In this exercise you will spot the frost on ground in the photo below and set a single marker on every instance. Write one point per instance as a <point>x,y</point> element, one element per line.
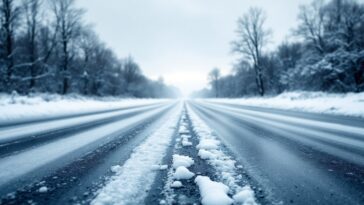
<point>350,104</point>
<point>15,107</point>
<point>132,181</point>
<point>210,149</point>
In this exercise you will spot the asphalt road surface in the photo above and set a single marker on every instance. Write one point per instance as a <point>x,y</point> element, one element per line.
<point>294,157</point>
<point>288,157</point>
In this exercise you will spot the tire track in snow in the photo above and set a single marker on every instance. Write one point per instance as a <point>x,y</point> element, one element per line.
<point>184,191</point>
<point>48,132</point>
<point>135,177</point>
<point>230,186</point>
<point>24,168</point>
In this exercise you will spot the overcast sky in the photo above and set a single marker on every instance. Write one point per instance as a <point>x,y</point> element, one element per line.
<point>182,40</point>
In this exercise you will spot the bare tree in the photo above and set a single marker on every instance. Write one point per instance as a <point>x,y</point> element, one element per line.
<point>131,71</point>
<point>31,11</point>
<point>252,37</point>
<point>312,25</point>
<point>9,14</point>
<point>69,20</point>
<point>214,77</point>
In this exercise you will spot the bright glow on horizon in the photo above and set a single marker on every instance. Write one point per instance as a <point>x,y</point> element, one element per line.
<point>182,40</point>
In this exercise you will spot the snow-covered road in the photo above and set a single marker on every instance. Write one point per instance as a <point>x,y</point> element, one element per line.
<point>182,152</point>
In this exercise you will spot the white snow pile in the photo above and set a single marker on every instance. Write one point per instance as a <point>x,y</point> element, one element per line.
<point>185,140</point>
<point>245,196</point>
<point>181,160</point>
<point>131,182</point>
<point>14,107</point>
<point>210,150</point>
<point>208,144</point>
<point>43,189</point>
<point>350,104</point>
<point>180,164</point>
<point>176,184</point>
<point>160,167</point>
<point>184,132</point>
<point>183,129</point>
<point>183,173</point>
<point>213,193</point>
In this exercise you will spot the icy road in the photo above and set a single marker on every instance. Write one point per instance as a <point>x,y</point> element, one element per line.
<point>183,152</point>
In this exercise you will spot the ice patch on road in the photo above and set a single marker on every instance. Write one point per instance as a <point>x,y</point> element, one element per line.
<point>131,183</point>
<point>213,193</point>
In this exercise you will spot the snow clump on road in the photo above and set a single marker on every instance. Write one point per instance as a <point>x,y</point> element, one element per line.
<point>183,173</point>
<point>210,149</point>
<point>213,193</point>
<point>181,160</point>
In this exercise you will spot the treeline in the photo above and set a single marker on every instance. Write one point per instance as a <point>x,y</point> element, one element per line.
<point>327,54</point>
<point>45,46</point>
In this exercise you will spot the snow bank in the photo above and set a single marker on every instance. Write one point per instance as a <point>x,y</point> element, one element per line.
<point>131,183</point>
<point>16,107</point>
<point>212,193</point>
<point>350,104</point>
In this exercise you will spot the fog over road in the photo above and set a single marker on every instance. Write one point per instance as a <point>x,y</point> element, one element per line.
<point>285,156</point>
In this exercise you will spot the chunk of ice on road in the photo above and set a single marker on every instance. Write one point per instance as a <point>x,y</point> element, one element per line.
<point>245,196</point>
<point>185,140</point>
<point>160,167</point>
<point>43,189</point>
<point>208,144</point>
<point>212,193</point>
<point>176,184</point>
<point>181,160</point>
<point>116,168</point>
<point>136,177</point>
<point>186,143</point>
<point>183,173</point>
<point>183,130</point>
<point>204,154</point>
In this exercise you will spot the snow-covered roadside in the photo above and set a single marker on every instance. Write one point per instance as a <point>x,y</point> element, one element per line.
<point>350,104</point>
<point>134,178</point>
<point>213,192</point>
<point>16,107</point>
